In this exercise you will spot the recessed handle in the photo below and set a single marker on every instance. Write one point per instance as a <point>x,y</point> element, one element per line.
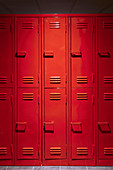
<point>76,127</point>
<point>104,54</point>
<point>20,126</point>
<point>76,54</point>
<point>49,126</point>
<point>104,127</point>
<point>48,54</point>
<point>20,54</point>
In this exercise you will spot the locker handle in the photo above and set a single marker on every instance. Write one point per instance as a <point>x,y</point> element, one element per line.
<point>76,127</point>
<point>104,127</point>
<point>104,54</point>
<point>49,127</point>
<point>20,54</point>
<point>48,54</point>
<point>76,54</point>
<point>20,126</point>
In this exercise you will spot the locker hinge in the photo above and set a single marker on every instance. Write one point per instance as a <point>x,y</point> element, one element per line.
<point>93,78</point>
<point>11,99</point>
<point>93,149</point>
<point>11,149</point>
<point>93,99</point>
<point>38,28</point>
<point>66,79</point>
<point>93,28</point>
<point>11,28</point>
<point>66,99</point>
<point>65,28</point>
<point>38,100</point>
<point>11,78</point>
<point>38,78</point>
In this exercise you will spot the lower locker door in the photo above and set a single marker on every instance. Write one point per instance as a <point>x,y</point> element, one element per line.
<point>55,124</point>
<point>82,123</point>
<point>5,123</point>
<point>27,125</point>
<point>105,123</point>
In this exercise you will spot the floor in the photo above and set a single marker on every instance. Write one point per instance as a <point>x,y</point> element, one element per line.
<point>56,168</point>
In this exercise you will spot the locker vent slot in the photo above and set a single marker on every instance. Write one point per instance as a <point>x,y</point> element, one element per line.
<point>27,96</point>
<point>55,80</point>
<point>3,80</point>
<point>108,96</point>
<point>28,151</point>
<point>108,151</point>
<point>82,96</point>
<point>55,150</point>
<point>82,151</point>
<point>2,25</point>
<point>54,25</point>
<point>82,79</point>
<point>27,25</point>
<point>3,96</point>
<point>3,151</point>
<point>82,25</point>
<point>108,79</point>
<point>108,25</point>
<point>55,96</point>
<point>28,80</point>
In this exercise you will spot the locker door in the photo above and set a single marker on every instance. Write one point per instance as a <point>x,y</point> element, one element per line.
<point>55,124</point>
<point>5,123</point>
<point>105,123</point>
<point>105,51</point>
<point>82,123</point>
<point>6,51</point>
<point>27,125</point>
<point>54,51</point>
<point>27,51</point>
<point>81,51</point>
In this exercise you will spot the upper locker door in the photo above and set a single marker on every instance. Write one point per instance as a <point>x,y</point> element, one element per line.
<point>27,51</point>
<point>6,52</point>
<point>81,51</point>
<point>105,51</point>
<point>55,124</point>
<point>54,51</point>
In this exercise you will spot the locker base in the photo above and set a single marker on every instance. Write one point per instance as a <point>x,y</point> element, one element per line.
<point>105,162</point>
<point>6,162</point>
<point>28,163</point>
<point>55,163</point>
<point>82,163</point>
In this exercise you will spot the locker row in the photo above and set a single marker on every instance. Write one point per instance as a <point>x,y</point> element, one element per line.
<point>56,90</point>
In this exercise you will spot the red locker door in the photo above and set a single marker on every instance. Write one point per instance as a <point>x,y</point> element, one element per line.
<point>27,125</point>
<point>54,51</point>
<point>82,124</point>
<point>55,124</point>
<point>81,51</point>
<point>6,52</point>
<point>5,123</point>
<point>27,51</point>
<point>105,51</point>
<point>105,123</point>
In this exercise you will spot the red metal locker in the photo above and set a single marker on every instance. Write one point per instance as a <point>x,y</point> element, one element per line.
<point>27,125</point>
<point>54,125</point>
<point>82,124</point>
<point>54,51</point>
<point>27,38</point>
<point>105,124</point>
<point>82,72</point>
<point>105,51</point>
<point>6,52</point>
<point>6,113</point>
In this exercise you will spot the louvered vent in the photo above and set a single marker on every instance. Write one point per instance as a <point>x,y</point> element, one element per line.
<point>82,96</point>
<point>27,25</point>
<point>82,151</point>
<point>3,80</point>
<point>3,151</point>
<point>28,151</point>
<point>3,25</point>
<point>82,25</point>
<point>108,25</point>
<point>108,79</point>
<point>82,79</point>
<point>28,80</point>
<point>54,25</point>
<point>55,150</point>
<point>3,96</point>
<point>108,151</point>
<point>27,96</point>
<point>55,80</point>
<point>108,96</point>
<point>55,96</point>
